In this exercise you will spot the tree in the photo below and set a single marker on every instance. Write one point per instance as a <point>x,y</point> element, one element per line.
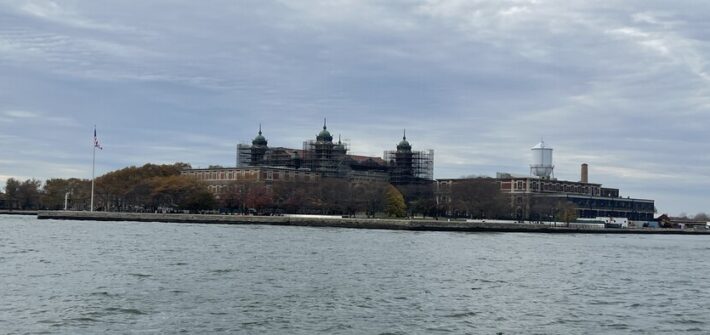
<point>23,195</point>
<point>182,192</point>
<point>12,189</point>
<point>369,197</point>
<point>478,198</point>
<point>701,217</point>
<point>542,208</point>
<point>243,196</point>
<point>259,197</point>
<point>394,203</point>
<point>293,196</point>
<point>419,198</point>
<point>567,212</point>
<point>55,189</point>
<point>131,188</point>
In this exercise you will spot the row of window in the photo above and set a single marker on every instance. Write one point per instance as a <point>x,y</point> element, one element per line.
<point>224,175</point>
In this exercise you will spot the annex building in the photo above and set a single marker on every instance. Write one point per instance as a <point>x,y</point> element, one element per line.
<point>531,195</point>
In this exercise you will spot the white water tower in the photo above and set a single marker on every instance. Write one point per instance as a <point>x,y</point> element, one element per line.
<point>542,161</point>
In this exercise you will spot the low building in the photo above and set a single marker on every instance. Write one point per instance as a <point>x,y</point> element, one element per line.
<point>536,196</point>
<point>218,179</point>
<point>591,200</point>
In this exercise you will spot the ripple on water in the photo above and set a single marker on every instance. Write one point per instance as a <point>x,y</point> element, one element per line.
<point>140,275</point>
<point>104,294</point>
<point>220,271</point>
<point>461,315</point>
<point>118,310</point>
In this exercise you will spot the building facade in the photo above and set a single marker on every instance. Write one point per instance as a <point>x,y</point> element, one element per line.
<point>318,159</point>
<point>529,196</point>
<point>218,179</point>
<point>331,159</point>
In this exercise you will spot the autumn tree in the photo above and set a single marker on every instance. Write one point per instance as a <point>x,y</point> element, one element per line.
<point>394,203</point>
<point>131,188</point>
<point>243,196</point>
<point>567,212</point>
<point>297,197</point>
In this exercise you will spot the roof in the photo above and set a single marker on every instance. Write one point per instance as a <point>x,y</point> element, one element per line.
<point>541,145</point>
<point>364,159</point>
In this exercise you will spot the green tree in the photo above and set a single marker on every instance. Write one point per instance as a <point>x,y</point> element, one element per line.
<point>12,189</point>
<point>55,189</point>
<point>394,203</point>
<point>23,195</point>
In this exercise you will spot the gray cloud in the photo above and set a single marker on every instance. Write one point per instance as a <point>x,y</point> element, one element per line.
<point>621,86</point>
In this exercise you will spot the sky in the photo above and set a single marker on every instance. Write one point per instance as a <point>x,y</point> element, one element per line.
<point>621,85</point>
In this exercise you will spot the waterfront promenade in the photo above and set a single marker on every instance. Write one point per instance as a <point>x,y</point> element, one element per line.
<point>358,223</point>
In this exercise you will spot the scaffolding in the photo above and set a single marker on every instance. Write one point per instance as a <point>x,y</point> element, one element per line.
<point>331,159</point>
<point>327,158</point>
<point>410,166</point>
<point>249,155</point>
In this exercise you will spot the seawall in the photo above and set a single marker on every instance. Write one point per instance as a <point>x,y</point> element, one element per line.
<point>17,212</point>
<point>358,223</point>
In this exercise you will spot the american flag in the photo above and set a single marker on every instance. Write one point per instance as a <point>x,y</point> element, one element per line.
<point>96,141</point>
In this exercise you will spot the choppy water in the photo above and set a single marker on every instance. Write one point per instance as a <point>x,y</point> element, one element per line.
<point>71,277</point>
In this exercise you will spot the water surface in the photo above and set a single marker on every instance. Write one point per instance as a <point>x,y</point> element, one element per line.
<point>84,277</point>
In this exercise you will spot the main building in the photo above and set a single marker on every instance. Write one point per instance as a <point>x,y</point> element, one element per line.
<point>317,159</point>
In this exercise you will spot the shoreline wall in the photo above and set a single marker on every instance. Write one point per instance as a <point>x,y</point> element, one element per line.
<point>356,223</point>
<point>17,212</point>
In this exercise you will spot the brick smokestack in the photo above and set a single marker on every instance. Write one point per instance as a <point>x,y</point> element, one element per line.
<point>585,173</point>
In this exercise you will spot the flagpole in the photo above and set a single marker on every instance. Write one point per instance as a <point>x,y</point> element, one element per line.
<point>93,168</point>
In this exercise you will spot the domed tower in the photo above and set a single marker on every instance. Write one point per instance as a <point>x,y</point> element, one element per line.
<point>324,142</point>
<point>322,151</point>
<point>403,158</point>
<point>324,135</point>
<point>258,148</point>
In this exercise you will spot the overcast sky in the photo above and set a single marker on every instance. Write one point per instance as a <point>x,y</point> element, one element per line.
<point>623,86</point>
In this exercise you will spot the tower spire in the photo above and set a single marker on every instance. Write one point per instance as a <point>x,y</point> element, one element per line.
<point>404,134</point>
<point>259,128</point>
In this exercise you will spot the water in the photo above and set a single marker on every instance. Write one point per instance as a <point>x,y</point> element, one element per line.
<point>71,277</point>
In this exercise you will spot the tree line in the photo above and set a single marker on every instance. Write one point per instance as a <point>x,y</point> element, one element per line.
<point>153,187</point>
<point>150,187</point>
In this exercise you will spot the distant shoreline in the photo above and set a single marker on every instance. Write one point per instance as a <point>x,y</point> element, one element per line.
<point>355,223</point>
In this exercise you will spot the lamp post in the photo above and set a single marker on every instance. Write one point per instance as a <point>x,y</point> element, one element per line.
<point>66,200</point>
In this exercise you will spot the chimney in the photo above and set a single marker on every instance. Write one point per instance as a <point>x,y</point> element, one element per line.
<point>585,173</point>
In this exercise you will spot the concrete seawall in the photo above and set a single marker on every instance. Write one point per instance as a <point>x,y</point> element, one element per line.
<point>17,212</point>
<point>358,223</point>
